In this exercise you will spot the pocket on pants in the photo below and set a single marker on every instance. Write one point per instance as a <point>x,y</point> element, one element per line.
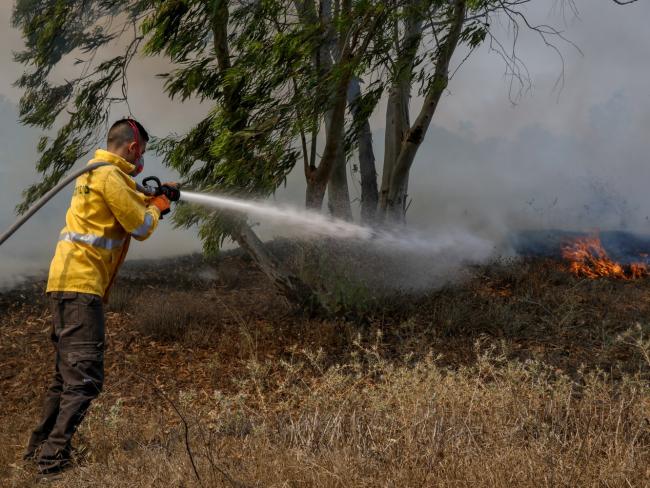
<point>83,320</point>
<point>83,365</point>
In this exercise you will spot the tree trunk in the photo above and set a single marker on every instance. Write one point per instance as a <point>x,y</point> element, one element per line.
<point>397,123</point>
<point>337,189</point>
<point>397,110</point>
<point>318,178</point>
<point>334,180</point>
<point>315,194</point>
<point>369,191</point>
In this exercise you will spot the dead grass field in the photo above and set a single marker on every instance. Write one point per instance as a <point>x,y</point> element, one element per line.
<point>522,376</point>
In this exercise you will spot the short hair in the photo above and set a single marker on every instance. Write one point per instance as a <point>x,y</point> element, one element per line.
<point>121,132</point>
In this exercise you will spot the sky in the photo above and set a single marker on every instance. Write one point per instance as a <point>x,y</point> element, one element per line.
<point>569,156</point>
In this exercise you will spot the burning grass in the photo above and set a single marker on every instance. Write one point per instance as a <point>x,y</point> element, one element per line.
<point>587,257</point>
<point>523,376</point>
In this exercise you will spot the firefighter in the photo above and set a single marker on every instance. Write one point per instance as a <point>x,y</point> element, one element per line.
<point>106,210</point>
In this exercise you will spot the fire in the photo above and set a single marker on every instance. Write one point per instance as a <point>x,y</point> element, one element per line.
<point>588,258</point>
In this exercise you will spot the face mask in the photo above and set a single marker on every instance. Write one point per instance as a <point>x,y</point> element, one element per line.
<point>139,166</point>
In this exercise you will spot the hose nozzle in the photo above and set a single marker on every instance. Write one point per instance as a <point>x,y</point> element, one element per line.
<point>171,192</point>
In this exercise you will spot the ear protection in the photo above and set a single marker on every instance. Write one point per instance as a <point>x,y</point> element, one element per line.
<point>139,164</point>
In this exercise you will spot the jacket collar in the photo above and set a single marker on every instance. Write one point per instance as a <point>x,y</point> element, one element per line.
<point>102,155</point>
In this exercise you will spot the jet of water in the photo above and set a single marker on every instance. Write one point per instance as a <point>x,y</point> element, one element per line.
<point>311,222</point>
<point>463,244</point>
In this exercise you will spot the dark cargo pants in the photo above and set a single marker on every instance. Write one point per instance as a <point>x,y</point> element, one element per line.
<point>78,338</point>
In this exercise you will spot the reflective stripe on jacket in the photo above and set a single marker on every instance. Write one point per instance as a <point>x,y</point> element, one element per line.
<point>105,211</point>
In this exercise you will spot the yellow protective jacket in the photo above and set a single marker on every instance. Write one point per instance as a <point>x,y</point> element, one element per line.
<point>105,211</point>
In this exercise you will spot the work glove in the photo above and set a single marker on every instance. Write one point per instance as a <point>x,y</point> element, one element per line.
<point>162,203</point>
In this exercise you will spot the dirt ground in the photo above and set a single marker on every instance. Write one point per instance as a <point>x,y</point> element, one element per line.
<point>522,375</point>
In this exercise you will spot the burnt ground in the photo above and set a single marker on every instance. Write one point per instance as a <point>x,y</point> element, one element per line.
<point>192,324</point>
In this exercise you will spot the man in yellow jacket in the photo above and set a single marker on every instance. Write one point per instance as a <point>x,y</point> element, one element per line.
<point>105,212</point>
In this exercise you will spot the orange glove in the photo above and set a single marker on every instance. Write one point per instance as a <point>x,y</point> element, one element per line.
<point>162,203</point>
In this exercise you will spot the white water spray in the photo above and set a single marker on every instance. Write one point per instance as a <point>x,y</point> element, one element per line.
<point>311,222</point>
<point>463,245</point>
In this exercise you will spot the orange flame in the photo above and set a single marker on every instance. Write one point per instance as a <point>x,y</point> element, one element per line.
<point>588,258</point>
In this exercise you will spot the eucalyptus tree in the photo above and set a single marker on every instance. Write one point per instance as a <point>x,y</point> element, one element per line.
<point>284,80</point>
<point>407,63</point>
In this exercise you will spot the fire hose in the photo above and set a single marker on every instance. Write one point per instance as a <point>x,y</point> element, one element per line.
<point>169,191</point>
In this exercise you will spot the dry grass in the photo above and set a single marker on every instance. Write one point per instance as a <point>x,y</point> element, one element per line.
<point>371,423</point>
<point>522,377</point>
<point>170,319</point>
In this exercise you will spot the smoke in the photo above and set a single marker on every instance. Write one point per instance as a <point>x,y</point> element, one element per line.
<point>539,179</point>
<point>574,158</point>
